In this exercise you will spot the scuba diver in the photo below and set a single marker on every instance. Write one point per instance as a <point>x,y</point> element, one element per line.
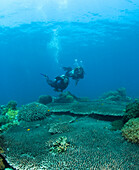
<point>59,84</point>
<point>77,73</point>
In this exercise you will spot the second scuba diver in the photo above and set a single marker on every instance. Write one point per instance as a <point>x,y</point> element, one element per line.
<point>77,73</point>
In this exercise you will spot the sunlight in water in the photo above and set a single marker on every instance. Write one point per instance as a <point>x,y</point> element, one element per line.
<point>63,3</point>
<point>59,3</point>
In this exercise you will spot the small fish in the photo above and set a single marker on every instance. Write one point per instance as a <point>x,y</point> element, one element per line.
<point>28,129</point>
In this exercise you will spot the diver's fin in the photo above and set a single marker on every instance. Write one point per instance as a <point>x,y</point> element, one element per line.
<point>76,82</point>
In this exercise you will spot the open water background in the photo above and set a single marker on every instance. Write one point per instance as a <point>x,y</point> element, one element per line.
<point>43,36</point>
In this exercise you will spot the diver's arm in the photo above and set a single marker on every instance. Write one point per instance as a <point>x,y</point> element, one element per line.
<point>67,69</point>
<point>44,75</point>
<point>47,78</point>
<point>50,82</point>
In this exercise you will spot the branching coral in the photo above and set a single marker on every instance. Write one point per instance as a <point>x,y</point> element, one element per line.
<point>12,114</point>
<point>60,145</point>
<point>11,105</point>
<point>9,118</point>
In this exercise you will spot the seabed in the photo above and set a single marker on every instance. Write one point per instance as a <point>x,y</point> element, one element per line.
<point>73,136</point>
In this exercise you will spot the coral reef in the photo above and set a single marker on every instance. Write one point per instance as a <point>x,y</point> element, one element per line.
<point>3,120</point>
<point>83,99</point>
<point>89,108</point>
<point>8,117</point>
<point>3,109</point>
<point>9,125</point>
<point>132,111</point>
<point>65,97</point>
<point>60,128</point>
<point>118,95</point>
<point>92,146</point>
<point>131,130</point>
<point>33,111</point>
<point>2,166</point>
<point>1,150</point>
<point>61,124</point>
<point>10,106</point>
<point>117,125</point>
<point>45,99</point>
<point>60,145</point>
<point>11,114</point>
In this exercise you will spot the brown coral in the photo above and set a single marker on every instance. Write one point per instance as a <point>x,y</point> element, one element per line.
<point>2,166</point>
<point>131,130</point>
<point>1,150</point>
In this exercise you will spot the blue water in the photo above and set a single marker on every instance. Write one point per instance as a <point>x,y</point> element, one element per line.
<point>43,36</point>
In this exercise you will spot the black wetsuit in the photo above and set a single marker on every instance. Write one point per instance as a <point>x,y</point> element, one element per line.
<point>60,83</point>
<point>76,73</point>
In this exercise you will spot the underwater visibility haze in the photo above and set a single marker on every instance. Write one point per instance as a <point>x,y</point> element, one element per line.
<point>90,124</point>
<point>44,36</point>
